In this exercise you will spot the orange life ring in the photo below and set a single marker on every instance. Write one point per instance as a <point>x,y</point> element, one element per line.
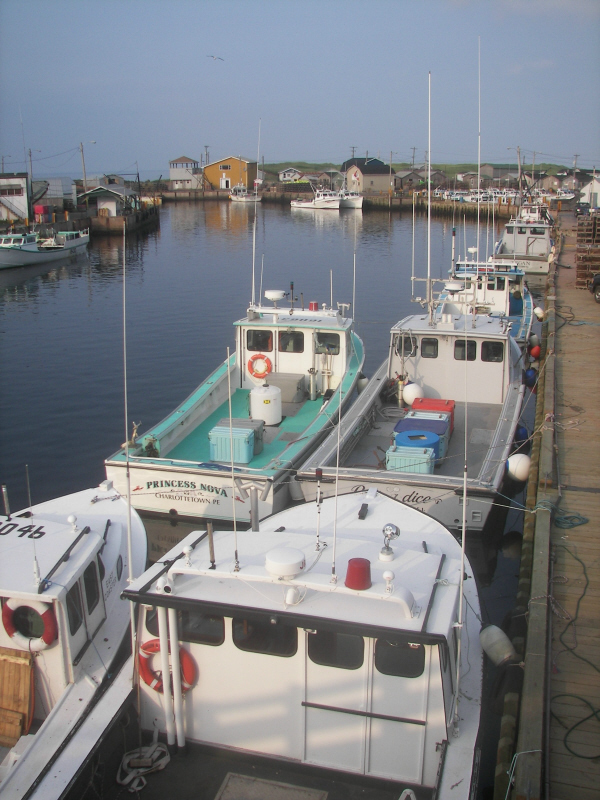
<point>151,679</point>
<point>24,642</point>
<point>267,362</point>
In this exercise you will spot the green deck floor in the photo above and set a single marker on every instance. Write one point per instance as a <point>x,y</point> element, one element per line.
<point>196,446</point>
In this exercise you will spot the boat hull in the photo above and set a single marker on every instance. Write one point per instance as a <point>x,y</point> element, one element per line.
<point>25,258</point>
<point>351,202</point>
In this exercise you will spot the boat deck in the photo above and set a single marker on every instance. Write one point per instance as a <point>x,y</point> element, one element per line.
<point>482,419</point>
<point>296,418</point>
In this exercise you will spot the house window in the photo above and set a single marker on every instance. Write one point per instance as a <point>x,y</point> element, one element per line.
<point>264,636</point>
<point>429,348</point>
<point>259,340</point>
<point>459,350</point>
<point>342,650</point>
<point>225,166</point>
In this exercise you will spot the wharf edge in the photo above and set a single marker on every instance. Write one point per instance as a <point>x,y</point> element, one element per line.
<point>545,741</point>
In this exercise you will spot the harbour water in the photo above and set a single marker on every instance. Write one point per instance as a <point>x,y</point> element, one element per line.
<point>61,350</point>
<point>61,334</point>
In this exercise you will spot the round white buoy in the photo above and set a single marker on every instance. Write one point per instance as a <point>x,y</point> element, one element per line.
<point>410,393</point>
<point>534,340</point>
<point>361,383</point>
<point>496,645</point>
<point>539,312</point>
<point>518,466</point>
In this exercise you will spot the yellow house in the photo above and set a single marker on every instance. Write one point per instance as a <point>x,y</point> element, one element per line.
<point>229,172</point>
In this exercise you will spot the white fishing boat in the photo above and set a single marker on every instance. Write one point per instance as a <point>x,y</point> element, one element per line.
<point>230,449</point>
<point>65,563</point>
<point>527,239</point>
<point>489,288</point>
<point>322,198</point>
<point>239,194</point>
<point>405,433</point>
<point>26,249</point>
<point>331,638</point>
<point>350,199</point>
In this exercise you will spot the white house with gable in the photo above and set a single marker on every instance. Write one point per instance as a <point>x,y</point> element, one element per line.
<point>185,173</point>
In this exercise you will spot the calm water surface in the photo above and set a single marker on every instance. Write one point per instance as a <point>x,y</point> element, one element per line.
<point>61,350</point>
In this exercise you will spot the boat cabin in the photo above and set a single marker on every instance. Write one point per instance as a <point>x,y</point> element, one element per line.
<point>433,355</point>
<point>18,240</point>
<point>529,234</point>
<point>356,674</point>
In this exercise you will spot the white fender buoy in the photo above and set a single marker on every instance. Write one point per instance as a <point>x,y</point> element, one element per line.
<point>534,340</point>
<point>518,466</point>
<point>361,383</point>
<point>496,645</point>
<point>539,312</point>
<point>410,393</point>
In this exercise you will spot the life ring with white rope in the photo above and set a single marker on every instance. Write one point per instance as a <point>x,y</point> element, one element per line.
<point>33,645</point>
<point>257,373</point>
<point>152,679</point>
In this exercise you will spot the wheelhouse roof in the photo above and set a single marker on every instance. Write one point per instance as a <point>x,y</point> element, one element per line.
<point>479,326</point>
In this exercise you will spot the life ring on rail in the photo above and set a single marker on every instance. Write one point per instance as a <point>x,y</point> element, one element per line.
<point>25,642</point>
<point>262,373</point>
<point>151,678</point>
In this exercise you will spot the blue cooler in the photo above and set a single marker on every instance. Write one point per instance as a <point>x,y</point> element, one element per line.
<point>410,459</point>
<point>419,438</point>
<point>221,438</point>
<point>439,422</point>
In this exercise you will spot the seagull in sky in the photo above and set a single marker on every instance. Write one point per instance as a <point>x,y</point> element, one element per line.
<point>216,58</point>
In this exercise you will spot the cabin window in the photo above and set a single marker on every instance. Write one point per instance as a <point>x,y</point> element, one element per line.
<point>521,230</point>
<point>291,342</point>
<point>429,348</point>
<point>537,231</point>
<point>492,351</point>
<point>510,229</point>
<point>400,659</point>
<point>459,350</point>
<point>92,588</point>
<point>273,639</point>
<point>259,340</point>
<point>192,626</point>
<point>119,567</point>
<point>328,343</point>
<point>342,650</point>
<point>74,610</point>
<point>410,345</point>
<point>500,284</point>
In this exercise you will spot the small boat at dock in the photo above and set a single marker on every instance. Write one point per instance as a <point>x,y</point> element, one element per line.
<point>231,448</point>
<point>27,249</point>
<point>329,639</point>
<point>65,563</point>
<point>322,198</point>
<point>449,381</point>
<point>490,288</point>
<point>528,240</point>
<point>239,194</point>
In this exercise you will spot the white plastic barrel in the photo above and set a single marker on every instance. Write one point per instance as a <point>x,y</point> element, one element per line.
<point>265,404</point>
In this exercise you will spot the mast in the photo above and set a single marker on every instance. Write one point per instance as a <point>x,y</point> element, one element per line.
<point>429,292</point>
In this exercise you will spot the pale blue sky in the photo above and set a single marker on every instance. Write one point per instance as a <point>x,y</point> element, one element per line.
<point>322,75</point>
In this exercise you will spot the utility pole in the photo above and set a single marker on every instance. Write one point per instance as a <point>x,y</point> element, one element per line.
<point>353,148</point>
<point>413,156</point>
<point>575,157</point>
<point>82,167</point>
<point>206,154</point>
<point>3,157</point>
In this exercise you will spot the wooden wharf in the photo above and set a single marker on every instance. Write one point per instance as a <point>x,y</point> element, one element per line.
<point>550,736</point>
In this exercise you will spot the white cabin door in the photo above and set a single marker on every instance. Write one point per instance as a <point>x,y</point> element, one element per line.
<point>398,710</point>
<point>335,705</point>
